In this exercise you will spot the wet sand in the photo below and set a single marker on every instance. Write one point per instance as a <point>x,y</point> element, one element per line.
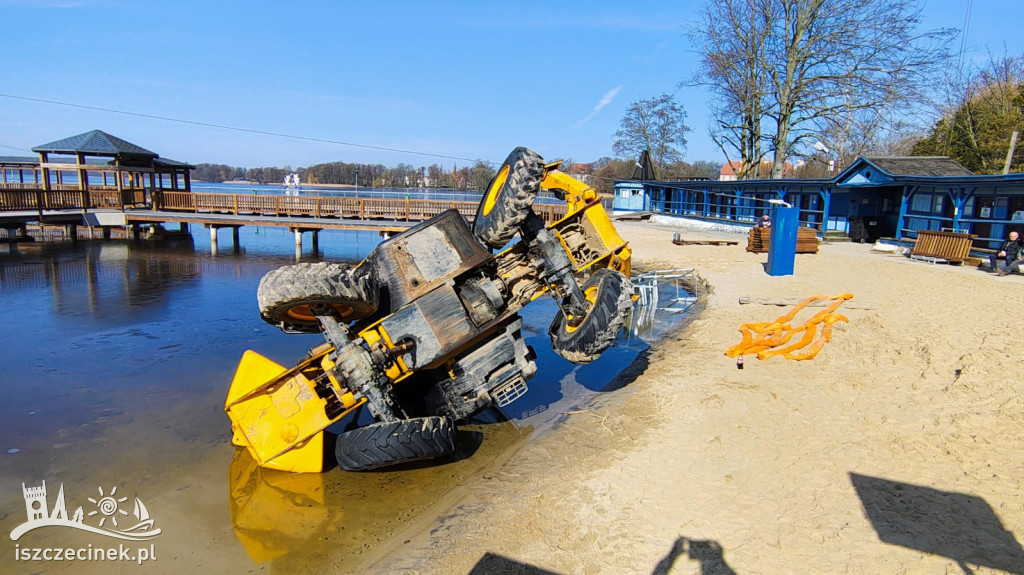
<point>898,449</point>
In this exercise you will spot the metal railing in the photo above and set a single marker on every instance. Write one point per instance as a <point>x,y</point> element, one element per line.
<point>737,213</point>
<point>646,286</point>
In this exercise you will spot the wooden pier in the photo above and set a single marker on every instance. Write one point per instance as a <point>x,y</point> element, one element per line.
<point>218,210</point>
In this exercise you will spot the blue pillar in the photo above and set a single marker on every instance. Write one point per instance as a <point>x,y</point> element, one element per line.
<point>782,245</point>
<point>959,198</point>
<point>958,204</point>
<point>826,195</point>
<point>908,191</point>
<point>706,206</point>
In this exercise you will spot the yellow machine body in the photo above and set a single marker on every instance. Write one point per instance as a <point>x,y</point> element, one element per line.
<point>277,415</point>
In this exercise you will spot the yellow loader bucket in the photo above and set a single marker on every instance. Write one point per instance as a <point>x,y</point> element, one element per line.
<point>277,415</point>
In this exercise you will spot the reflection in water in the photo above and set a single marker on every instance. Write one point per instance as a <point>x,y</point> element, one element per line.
<point>303,521</point>
<point>98,277</point>
<point>275,512</point>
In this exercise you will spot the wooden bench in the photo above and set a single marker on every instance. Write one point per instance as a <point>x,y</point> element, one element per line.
<point>948,246</point>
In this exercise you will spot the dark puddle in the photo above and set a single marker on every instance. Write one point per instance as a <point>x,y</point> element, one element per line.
<point>114,369</point>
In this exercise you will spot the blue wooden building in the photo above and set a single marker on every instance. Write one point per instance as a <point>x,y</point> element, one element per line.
<point>882,197</point>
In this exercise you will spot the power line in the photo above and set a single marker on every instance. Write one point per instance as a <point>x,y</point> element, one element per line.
<point>246,130</point>
<point>237,129</point>
<point>963,38</point>
<point>15,148</point>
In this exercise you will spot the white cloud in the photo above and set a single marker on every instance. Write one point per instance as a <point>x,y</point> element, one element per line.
<point>605,100</point>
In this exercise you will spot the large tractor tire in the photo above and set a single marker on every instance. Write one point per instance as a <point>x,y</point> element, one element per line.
<point>382,444</point>
<point>286,294</point>
<point>509,197</point>
<point>608,292</point>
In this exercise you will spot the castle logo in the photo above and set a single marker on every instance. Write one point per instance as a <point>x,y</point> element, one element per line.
<point>108,511</point>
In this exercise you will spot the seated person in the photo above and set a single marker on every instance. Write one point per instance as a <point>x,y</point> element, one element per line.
<point>766,222</point>
<point>1013,267</point>
<point>1008,252</point>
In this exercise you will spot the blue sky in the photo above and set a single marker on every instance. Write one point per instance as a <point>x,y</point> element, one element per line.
<point>462,79</point>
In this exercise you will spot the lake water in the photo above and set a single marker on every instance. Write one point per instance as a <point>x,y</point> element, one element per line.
<point>115,361</point>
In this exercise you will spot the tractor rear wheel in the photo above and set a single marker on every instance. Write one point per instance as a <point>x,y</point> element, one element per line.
<point>287,296</point>
<point>382,444</point>
<point>608,293</point>
<point>508,198</point>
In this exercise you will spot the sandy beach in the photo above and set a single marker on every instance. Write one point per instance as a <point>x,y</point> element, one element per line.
<point>898,449</point>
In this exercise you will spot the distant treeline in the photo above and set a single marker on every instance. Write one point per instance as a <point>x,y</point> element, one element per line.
<point>601,174</point>
<point>475,177</point>
<point>606,170</point>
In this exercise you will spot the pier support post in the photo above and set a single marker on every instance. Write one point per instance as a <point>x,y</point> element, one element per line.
<point>316,241</point>
<point>298,239</point>
<point>234,236</point>
<point>71,231</point>
<point>213,235</point>
<point>183,227</point>
<point>135,231</point>
<point>106,232</point>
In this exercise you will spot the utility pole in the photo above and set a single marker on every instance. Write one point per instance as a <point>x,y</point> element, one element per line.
<point>1009,153</point>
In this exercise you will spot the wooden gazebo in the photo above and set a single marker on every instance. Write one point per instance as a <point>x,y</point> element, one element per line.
<point>90,170</point>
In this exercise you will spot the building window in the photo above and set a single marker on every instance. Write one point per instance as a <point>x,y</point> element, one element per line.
<point>921,203</point>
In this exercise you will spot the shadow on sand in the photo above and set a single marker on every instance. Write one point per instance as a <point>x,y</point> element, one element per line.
<point>708,554</point>
<point>961,527</point>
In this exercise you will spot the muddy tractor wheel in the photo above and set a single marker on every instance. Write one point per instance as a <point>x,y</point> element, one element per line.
<point>287,295</point>
<point>382,444</point>
<point>509,197</point>
<point>583,341</point>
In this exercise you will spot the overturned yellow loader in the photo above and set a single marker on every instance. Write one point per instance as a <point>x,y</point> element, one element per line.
<point>425,332</point>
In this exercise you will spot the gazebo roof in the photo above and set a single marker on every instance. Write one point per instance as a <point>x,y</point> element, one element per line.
<point>169,163</point>
<point>96,142</point>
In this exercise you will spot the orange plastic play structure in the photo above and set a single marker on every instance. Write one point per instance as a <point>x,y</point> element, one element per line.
<point>768,338</point>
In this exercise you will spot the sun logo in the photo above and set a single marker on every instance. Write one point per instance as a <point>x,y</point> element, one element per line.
<point>108,506</point>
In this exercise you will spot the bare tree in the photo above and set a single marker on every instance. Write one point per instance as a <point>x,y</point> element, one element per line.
<point>820,67</point>
<point>480,175</point>
<point>655,124</point>
<point>732,36</point>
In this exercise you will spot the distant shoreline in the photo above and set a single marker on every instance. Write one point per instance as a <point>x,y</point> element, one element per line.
<point>335,186</point>
<point>251,183</point>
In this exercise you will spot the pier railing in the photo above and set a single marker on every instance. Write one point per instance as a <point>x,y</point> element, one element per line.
<point>70,198</point>
<point>401,209</point>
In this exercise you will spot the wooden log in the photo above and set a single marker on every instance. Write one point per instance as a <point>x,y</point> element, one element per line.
<point>681,242</point>
<point>788,301</point>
